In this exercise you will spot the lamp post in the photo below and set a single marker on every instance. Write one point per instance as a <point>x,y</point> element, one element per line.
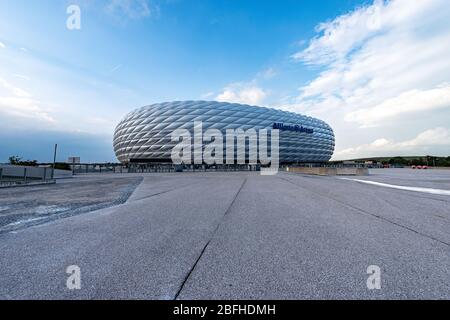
<point>54,161</point>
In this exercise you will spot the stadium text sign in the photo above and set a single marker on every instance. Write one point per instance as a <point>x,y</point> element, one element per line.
<point>296,128</point>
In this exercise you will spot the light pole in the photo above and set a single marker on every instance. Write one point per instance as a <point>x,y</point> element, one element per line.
<point>54,161</point>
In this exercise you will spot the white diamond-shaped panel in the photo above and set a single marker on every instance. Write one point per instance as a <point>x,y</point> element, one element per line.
<point>145,134</point>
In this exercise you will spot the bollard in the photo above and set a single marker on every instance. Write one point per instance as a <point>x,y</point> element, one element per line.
<point>45,174</point>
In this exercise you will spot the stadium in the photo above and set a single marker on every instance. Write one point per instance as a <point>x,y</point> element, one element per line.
<point>144,135</point>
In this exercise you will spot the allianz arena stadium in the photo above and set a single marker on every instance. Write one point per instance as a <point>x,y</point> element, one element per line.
<point>144,135</point>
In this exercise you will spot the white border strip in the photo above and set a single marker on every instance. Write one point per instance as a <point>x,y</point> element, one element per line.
<point>393,186</point>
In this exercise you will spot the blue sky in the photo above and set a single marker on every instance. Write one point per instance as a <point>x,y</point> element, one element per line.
<point>378,72</point>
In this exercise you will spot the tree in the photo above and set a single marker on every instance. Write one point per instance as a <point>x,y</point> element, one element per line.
<point>14,160</point>
<point>398,161</point>
<point>17,161</point>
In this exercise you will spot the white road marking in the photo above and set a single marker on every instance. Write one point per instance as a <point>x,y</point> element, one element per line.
<point>393,186</point>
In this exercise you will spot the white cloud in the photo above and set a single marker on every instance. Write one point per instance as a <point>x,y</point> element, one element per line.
<point>11,89</point>
<point>423,142</point>
<point>207,95</point>
<point>17,102</point>
<point>340,37</point>
<point>366,65</point>
<point>384,61</point>
<point>247,93</point>
<point>2,45</point>
<point>22,76</point>
<point>115,68</point>
<point>269,73</point>
<point>132,9</point>
<point>410,101</point>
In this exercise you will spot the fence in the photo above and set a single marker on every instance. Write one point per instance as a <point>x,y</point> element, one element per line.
<point>167,167</point>
<point>21,175</point>
<point>330,171</point>
<point>157,168</point>
<point>98,168</point>
<point>149,168</point>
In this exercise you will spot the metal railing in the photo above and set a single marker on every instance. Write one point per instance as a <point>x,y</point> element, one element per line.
<point>78,169</point>
<point>19,175</point>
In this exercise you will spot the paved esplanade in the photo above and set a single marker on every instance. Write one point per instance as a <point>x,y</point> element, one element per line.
<point>240,235</point>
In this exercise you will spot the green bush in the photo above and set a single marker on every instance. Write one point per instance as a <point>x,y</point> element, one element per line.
<point>17,161</point>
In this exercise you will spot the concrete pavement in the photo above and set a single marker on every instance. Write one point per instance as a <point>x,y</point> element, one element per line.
<point>240,236</point>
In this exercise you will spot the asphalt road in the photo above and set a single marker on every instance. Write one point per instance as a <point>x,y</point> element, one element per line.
<point>242,236</point>
<point>24,206</point>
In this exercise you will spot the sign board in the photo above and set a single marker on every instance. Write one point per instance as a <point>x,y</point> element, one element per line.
<point>74,160</point>
<point>297,128</point>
